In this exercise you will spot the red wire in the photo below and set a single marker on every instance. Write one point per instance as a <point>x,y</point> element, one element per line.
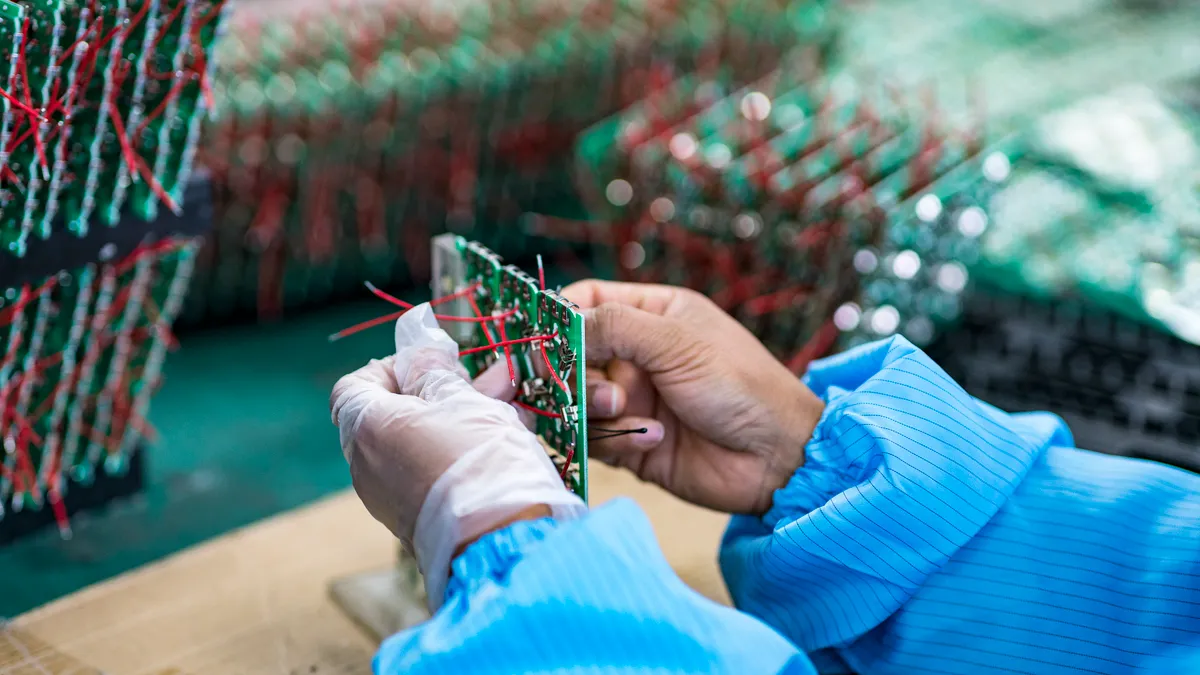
<point>23,59</point>
<point>10,355</point>
<point>140,424</point>
<point>16,143</point>
<point>546,357</point>
<point>358,328</point>
<point>136,162</point>
<point>14,177</point>
<point>162,30</point>
<point>205,85</point>
<point>23,422</point>
<point>267,221</point>
<point>54,105</point>
<point>156,319</point>
<point>70,50</point>
<point>26,297</point>
<point>213,12</point>
<point>21,106</point>
<point>505,343</point>
<point>60,510</point>
<point>115,113</point>
<point>512,372</point>
<point>478,318</point>
<point>137,18</point>
<point>487,332</point>
<point>471,319</point>
<point>107,38</point>
<point>23,462</point>
<point>44,407</point>
<point>432,303</point>
<point>567,464</point>
<point>535,410</point>
<point>816,346</point>
<point>175,89</point>
<point>541,273</point>
<point>775,301</point>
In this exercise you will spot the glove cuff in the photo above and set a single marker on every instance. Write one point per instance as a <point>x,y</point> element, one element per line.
<point>480,490</point>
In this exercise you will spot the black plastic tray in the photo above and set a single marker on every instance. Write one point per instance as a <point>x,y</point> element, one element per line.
<point>1123,387</point>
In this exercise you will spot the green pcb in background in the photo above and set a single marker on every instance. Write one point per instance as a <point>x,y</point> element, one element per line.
<point>245,433</point>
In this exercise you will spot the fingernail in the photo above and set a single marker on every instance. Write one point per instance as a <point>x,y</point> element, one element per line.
<point>652,437</point>
<point>604,399</point>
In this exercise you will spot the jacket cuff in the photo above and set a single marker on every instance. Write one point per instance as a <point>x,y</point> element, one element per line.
<point>903,470</point>
<point>896,424</point>
<point>492,556</point>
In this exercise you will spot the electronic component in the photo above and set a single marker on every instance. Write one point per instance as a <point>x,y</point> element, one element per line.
<point>510,316</point>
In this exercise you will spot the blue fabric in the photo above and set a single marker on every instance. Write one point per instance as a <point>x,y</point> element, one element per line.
<point>926,533</point>
<point>592,596</point>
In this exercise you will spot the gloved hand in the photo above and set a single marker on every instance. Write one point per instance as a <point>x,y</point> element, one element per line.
<point>726,422</point>
<point>435,460</point>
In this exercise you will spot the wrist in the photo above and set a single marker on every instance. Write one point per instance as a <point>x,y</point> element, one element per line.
<point>490,486</point>
<point>799,422</point>
<point>533,512</point>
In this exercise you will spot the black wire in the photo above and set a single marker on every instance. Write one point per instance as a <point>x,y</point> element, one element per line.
<point>613,433</point>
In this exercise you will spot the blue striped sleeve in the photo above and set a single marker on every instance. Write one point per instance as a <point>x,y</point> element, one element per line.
<point>928,532</point>
<point>593,596</point>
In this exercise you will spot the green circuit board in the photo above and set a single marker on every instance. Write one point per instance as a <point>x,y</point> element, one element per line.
<point>1106,207</point>
<point>346,138</point>
<point>81,357</point>
<point>102,110</point>
<point>820,213</point>
<point>548,366</point>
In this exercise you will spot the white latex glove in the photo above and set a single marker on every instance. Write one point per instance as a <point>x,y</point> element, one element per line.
<point>434,459</point>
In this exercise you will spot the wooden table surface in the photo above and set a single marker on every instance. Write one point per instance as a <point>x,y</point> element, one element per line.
<point>256,600</point>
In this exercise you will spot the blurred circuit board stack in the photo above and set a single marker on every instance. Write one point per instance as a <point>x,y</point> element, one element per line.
<point>348,137</point>
<point>1106,208</point>
<point>103,103</point>
<point>1089,303</point>
<point>820,213</point>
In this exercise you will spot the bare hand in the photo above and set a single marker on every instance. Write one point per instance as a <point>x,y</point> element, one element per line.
<point>726,422</point>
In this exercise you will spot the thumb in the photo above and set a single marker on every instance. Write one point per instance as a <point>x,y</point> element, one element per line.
<point>426,363</point>
<point>618,331</point>
<point>624,442</point>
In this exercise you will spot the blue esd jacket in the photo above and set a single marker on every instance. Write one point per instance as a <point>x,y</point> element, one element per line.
<point>926,533</point>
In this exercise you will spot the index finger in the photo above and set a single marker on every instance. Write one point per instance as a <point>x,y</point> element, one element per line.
<point>376,377</point>
<point>590,293</point>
